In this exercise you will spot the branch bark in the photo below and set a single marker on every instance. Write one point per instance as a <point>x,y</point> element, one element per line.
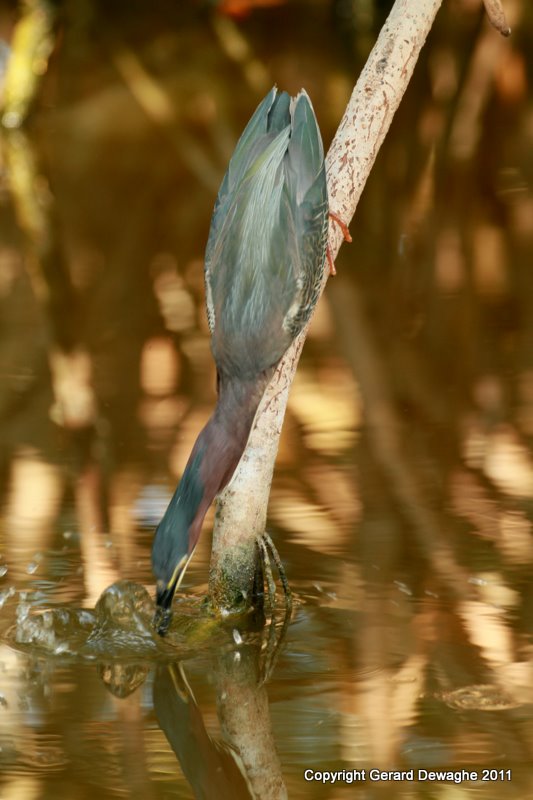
<point>496,15</point>
<point>241,507</point>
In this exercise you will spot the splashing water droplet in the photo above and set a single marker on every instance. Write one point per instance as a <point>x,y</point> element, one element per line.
<point>4,596</point>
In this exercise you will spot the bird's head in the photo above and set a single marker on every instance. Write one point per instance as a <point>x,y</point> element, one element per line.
<point>171,553</point>
<point>177,533</point>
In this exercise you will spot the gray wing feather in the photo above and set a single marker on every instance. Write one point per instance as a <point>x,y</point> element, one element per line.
<point>266,248</point>
<point>239,163</point>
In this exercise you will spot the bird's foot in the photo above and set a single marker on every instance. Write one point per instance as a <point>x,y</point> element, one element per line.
<point>274,638</point>
<point>342,225</point>
<point>269,554</point>
<point>347,238</point>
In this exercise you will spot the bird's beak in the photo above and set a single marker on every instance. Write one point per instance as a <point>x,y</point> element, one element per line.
<point>165,595</point>
<point>163,612</point>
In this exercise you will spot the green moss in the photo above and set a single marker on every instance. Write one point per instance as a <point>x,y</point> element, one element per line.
<point>231,581</point>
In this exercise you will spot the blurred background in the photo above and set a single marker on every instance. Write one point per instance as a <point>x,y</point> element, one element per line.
<point>402,500</point>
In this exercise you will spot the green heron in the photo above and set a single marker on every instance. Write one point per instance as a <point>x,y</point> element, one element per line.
<point>263,268</point>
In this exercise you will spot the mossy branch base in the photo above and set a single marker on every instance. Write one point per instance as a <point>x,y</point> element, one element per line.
<point>231,578</point>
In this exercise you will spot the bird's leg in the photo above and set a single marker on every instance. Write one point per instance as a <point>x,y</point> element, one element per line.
<point>347,238</point>
<point>342,225</point>
<point>332,270</point>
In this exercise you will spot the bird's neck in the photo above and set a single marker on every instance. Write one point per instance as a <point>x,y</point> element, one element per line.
<point>219,448</point>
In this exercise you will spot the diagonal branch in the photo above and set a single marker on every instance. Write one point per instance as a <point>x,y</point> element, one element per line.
<point>496,15</point>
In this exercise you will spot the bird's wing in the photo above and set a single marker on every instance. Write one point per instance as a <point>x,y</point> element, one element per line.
<point>243,156</point>
<point>266,248</point>
<point>251,273</point>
